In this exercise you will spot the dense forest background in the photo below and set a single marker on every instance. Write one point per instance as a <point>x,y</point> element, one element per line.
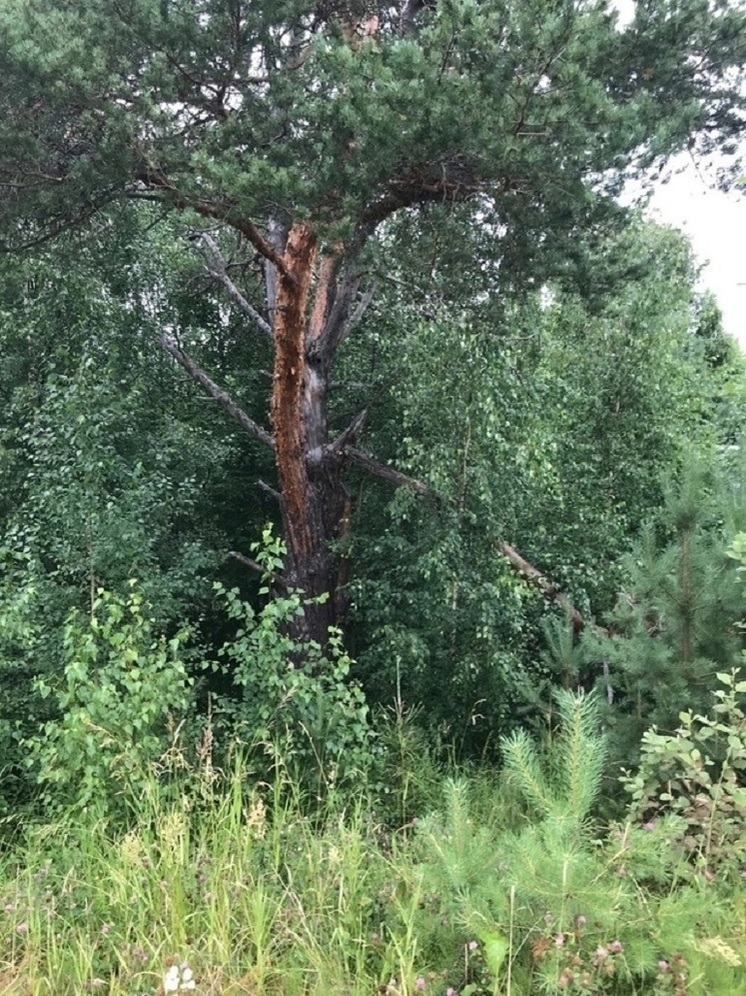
<point>370,475</point>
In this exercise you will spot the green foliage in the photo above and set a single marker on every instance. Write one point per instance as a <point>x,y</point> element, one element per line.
<point>676,621</point>
<point>297,694</point>
<point>123,692</point>
<point>232,880</point>
<point>406,774</point>
<point>565,413</point>
<point>567,790</point>
<point>230,877</point>
<point>553,908</point>
<point>699,774</point>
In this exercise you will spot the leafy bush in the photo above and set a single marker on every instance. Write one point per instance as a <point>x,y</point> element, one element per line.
<point>295,694</point>
<point>699,773</point>
<point>123,689</point>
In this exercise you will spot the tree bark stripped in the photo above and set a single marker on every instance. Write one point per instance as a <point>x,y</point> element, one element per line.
<point>312,309</point>
<point>308,468</point>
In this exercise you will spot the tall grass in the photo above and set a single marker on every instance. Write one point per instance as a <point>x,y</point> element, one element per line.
<point>239,884</point>
<point>220,884</point>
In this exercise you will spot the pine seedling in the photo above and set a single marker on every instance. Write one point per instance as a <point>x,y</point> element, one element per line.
<point>565,789</point>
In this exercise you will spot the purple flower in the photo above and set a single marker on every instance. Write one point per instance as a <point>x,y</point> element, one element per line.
<point>559,940</point>
<point>419,983</point>
<point>472,945</point>
<point>616,947</point>
<point>662,966</point>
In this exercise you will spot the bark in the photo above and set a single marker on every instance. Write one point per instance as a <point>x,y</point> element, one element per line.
<point>313,496</point>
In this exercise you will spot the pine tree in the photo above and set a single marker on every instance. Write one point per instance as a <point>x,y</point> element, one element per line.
<point>292,132</point>
<point>676,623</point>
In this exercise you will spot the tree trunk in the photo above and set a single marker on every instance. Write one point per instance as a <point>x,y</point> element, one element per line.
<point>313,496</point>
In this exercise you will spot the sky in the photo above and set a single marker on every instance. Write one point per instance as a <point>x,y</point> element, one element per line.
<point>714,221</point>
<point>716,225</point>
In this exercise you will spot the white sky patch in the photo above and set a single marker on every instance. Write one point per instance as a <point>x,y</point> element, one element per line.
<point>715,222</point>
<point>626,11</point>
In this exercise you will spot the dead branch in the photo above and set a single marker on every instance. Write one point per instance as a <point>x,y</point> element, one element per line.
<point>217,268</point>
<point>215,392</point>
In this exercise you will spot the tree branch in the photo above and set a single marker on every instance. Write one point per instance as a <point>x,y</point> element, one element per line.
<point>336,322</point>
<point>386,473</point>
<point>549,590</point>
<point>276,579</point>
<point>221,211</point>
<point>268,489</point>
<point>215,392</point>
<point>348,434</point>
<point>217,268</point>
<point>359,312</point>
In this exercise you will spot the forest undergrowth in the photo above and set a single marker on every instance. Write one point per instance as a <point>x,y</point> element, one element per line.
<point>237,880</point>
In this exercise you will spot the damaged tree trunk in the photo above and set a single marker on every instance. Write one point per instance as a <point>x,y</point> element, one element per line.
<point>313,304</point>
<point>313,495</point>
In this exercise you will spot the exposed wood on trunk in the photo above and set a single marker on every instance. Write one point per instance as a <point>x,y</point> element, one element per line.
<point>287,392</point>
<point>323,296</point>
<point>340,315</point>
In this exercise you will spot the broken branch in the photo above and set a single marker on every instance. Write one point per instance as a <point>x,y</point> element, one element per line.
<point>215,392</point>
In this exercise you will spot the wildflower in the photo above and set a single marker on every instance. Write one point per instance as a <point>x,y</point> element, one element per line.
<point>419,983</point>
<point>662,966</point>
<point>472,945</point>
<point>450,991</point>
<point>601,953</point>
<point>559,940</point>
<point>566,978</point>
<point>616,947</point>
<point>97,983</point>
<point>580,920</point>
<point>10,907</point>
<point>650,825</point>
<point>179,979</point>
<point>22,928</point>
